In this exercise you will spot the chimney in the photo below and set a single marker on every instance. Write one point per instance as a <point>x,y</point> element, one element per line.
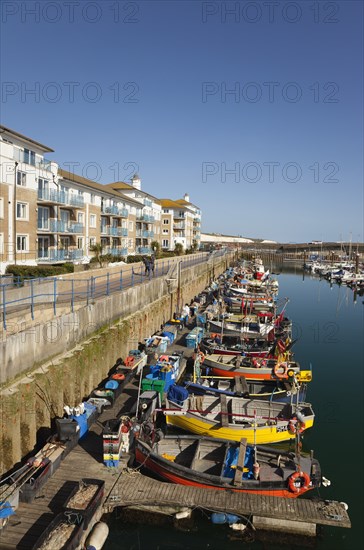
<point>186,197</point>
<point>136,182</point>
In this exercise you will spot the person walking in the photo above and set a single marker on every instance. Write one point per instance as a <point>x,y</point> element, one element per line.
<point>152,263</point>
<point>147,265</point>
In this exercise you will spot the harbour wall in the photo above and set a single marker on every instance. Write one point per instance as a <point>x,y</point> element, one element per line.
<point>60,362</point>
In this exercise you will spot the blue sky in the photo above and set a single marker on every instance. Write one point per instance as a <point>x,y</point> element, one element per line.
<point>144,85</point>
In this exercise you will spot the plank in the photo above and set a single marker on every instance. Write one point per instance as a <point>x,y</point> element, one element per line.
<point>224,412</point>
<point>238,478</point>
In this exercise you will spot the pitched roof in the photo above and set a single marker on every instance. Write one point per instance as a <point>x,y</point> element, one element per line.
<point>4,129</point>
<point>93,185</point>
<point>169,203</point>
<point>128,187</point>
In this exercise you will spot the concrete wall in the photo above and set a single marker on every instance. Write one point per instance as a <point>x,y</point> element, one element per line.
<point>68,357</point>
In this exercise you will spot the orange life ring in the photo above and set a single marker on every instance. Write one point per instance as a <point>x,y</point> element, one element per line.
<point>202,357</point>
<point>302,427</point>
<point>163,358</point>
<point>293,482</point>
<point>291,427</point>
<point>280,374</point>
<point>118,376</point>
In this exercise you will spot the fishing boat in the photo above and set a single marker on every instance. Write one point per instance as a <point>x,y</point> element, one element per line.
<point>254,368</point>
<point>232,418</point>
<point>275,390</point>
<point>229,466</point>
<point>258,325</point>
<point>233,345</point>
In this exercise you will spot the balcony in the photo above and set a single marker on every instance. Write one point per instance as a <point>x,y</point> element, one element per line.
<point>54,255</point>
<point>147,202</point>
<point>177,226</point>
<point>44,164</point>
<point>147,234</point>
<point>143,250</point>
<point>116,251</point>
<point>59,226</point>
<point>114,231</point>
<point>52,195</point>
<point>60,197</point>
<point>146,218</point>
<point>179,216</point>
<point>115,211</point>
<point>75,200</point>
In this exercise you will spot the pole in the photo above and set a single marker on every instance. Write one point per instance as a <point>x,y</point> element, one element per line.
<point>14,213</point>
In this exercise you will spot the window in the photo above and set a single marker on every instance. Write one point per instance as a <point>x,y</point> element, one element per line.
<point>165,211</point>
<point>130,243</point>
<point>92,241</point>
<point>21,210</point>
<point>165,243</point>
<point>22,243</point>
<point>92,220</point>
<point>21,178</point>
<point>43,218</point>
<point>1,243</point>
<point>80,217</point>
<point>92,198</point>
<point>29,157</point>
<point>1,207</point>
<point>165,222</point>
<point>130,226</point>
<point>43,247</point>
<point>165,231</point>
<point>80,243</point>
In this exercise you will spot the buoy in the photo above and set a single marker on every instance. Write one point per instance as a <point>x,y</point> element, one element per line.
<point>220,518</point>
<point>183,514</point>
<point>238,526</point>
<point>98,536</point>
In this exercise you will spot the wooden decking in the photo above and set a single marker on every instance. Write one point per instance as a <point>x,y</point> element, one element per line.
<point>136,489</point>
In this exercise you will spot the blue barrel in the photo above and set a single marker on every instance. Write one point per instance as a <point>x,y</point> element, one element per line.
<point>219,518</point>
<point>111,385</point>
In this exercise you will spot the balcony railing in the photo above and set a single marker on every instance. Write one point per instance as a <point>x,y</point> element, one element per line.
<point>147,202</point>
<point>143,250</point>
<point>146,218</point>
<point>60,197</point>
<point>54,255</point>
<point>178,226</point>
<point>147,234</point>
<point>59,226</point>
<point>116,251</point>
<point>75,200</point>
<point>115,211</point>
<point>44,164</point>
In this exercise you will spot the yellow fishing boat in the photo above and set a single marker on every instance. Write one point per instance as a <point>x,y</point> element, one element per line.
<point>227,417</point>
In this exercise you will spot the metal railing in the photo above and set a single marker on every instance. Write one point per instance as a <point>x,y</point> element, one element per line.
<point>26,294</point>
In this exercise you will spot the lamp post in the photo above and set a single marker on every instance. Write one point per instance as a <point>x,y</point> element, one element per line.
<point>14,212</point>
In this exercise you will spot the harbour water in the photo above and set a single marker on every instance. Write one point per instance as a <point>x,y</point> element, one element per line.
<point>328,325</point>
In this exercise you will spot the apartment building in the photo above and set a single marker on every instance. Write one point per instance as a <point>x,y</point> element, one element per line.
<point>49,215</point>
<point>148,214</point>
<point>181,223</point>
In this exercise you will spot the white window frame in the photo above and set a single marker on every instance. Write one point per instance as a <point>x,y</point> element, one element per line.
<point>25,210</point>
<point>80,217</point>
<point>21,178</point>
<point>92,241</point>
<point>93,221</point>
<point>80,243</point>
<point>92,198</point>
<point>1,207</point>
<point>165,243</point>
<point>1,243</point>
<point>24,236</point>
<point>165,222</point>
<point>131,226</point>
<point>40,208</point>
<point>165,231</point>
